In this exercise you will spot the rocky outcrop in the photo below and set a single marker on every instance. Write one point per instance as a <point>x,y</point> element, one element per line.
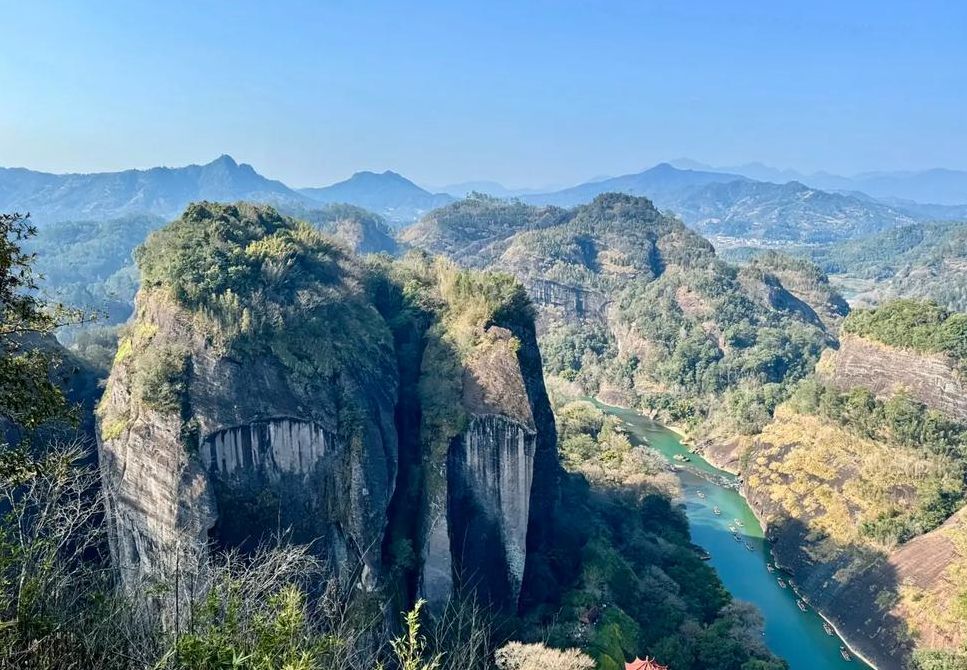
<point>490,472</point>
<point>566,303</point>
<point>387,431</point>
<point>768,291</point>
<point>480,518</point>
<point>930,378</point>
<point>243,456</point>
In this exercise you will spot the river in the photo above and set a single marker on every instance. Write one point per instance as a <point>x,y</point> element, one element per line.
<point>790,633</point>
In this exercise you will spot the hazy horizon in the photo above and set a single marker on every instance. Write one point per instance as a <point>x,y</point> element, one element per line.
<point>551,93</point>
<point>536,186</point>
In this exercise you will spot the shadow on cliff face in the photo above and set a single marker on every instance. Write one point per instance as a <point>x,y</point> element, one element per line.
<point>546,499</point>
<point>855,588</point>
<point>404,515</point>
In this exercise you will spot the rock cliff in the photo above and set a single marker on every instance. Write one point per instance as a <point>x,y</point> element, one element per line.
<point>303,396</point>
<point>566,304</point>
<point>243,454</point>
<point>490,470</point>
<point>932,379</point>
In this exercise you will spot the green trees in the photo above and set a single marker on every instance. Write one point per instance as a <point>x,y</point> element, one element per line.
<point>28,397</point>
<point>629,580</point>
<point>89,264</point>
<point>48,501</point>
<point>921,325</point>
<point>711,335</point>
<point>260,284</point>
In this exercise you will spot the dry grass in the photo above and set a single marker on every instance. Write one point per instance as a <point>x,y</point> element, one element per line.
<point>832,480</point>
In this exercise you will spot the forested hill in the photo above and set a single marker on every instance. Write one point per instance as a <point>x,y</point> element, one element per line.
<point>920,261</point>
<point>638,307</point>
<point>90,263</point>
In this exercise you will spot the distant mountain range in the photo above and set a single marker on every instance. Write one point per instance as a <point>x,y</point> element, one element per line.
<point>936,186</point>
<point>161,191</point>
<point>463,189</point>
<point>393,196</point>
<point>721,204</point>
<point>728,205</point>
<point>790,212</point>
<point>662,184</point>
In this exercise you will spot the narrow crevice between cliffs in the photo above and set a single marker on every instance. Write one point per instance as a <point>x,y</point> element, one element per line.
<point>400,549</point>
<point>400,553</point>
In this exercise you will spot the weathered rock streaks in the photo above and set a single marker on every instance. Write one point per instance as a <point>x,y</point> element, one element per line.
<point>931,379</point>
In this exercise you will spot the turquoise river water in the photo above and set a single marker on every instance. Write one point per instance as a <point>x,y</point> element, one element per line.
<point>794,635</point>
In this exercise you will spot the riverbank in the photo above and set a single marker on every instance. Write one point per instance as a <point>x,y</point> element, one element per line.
<point>764,525</point>
<point>787,569</point>
<point>786,625</point>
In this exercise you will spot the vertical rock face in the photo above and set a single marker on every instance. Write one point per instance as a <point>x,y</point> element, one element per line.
<point>245,455</point>
<point>480,522</point>
<point>276,447</point>
<point>491,468</point>
<point>567,303</point>
<point>930,378</point>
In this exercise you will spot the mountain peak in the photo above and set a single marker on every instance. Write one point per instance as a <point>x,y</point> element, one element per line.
<point>163,191</point>
<point>385,175</point>
<point>387,193</point>
<point>225,160</point>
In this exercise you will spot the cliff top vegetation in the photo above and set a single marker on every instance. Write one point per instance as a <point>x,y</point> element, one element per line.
<point>924,326</point>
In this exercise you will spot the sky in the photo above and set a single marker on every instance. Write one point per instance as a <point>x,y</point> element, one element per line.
<point>529,93</point>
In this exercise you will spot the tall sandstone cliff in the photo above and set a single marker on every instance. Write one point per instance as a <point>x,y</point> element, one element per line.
<point>930,378</point>
<point>272,386</point>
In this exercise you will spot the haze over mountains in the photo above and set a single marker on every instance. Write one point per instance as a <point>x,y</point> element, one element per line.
<point>935,186</point>
<point>389,193</point>
<point>162,191</point>
<point>754,203</point>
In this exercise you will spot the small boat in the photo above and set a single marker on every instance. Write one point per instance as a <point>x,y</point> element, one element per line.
<point>739,524</point>
<point>736,537</point>
<point>681,457</point>
<point>701,494</point>
<point>829,629</point>
<point>749,547</point>
<point>732,529</point>
<point>716,511</point>
<point>801,605</point>
<point>781,582</point>
<point>705,556</point>
<point>845,654</point>
<point>770,567</point>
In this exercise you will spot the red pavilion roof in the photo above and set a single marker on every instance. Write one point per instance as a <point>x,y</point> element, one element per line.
<point>647,664</point>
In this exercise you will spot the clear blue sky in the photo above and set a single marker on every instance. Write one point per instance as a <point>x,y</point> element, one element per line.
<point>529,93</point>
